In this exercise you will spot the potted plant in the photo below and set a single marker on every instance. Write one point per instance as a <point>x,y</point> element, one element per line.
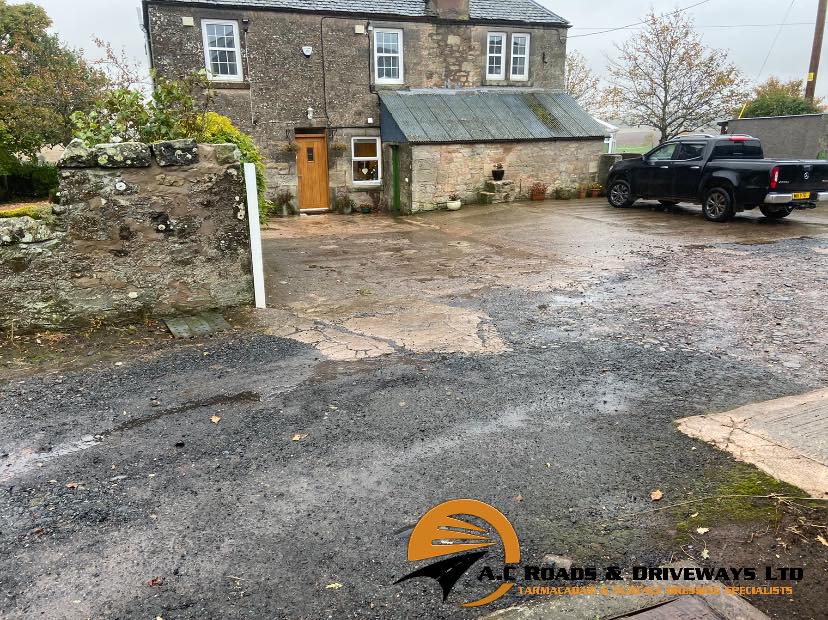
<point>596,189</point>
<point>582,191</point>
<point>366,208</point>
<point>537,191</point>
<point>498,172</point>
<point>454,203</point>
<point>344,203</point>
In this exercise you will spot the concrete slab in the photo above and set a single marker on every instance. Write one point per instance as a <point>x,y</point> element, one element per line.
<point>786,438</point>
<point>199,325</point>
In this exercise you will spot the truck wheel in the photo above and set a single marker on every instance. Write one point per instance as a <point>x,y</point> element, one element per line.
<point>718,205</point>
<point>619,194</point>
<point>776,213</point>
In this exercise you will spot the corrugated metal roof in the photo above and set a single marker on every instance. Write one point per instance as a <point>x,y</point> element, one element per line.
<point>485,115</point>
<point>482,10</point>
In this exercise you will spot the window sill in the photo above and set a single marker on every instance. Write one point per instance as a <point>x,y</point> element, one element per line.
<point>366,184</point>
<point>229,85</point>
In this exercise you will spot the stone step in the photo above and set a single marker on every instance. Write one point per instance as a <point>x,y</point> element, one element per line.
<point>486,198</point>
<point>499,186</point>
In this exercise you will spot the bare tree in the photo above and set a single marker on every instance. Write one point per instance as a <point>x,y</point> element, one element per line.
<point>122,71</point>
<point>666,78</point>
<point>584,86</point>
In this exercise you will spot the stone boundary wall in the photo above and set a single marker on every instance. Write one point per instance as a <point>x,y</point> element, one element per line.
<point>465,169</point>
<point>140,230</point>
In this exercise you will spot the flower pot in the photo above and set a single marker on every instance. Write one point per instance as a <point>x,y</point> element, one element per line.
<point>366,210</point>
<point>582,194</point>
<point>454,205</point>
<point>595,193</point>
<point>537,196</point>
<point>498,175</point>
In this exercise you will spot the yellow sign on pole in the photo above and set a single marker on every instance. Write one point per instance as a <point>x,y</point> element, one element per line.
<point>811,76</point>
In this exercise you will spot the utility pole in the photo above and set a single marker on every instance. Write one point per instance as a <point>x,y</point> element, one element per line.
<point>810,89</point>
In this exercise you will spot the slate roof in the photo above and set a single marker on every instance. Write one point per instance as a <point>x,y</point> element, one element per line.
<point>480,10</point>
<point>490,115</point>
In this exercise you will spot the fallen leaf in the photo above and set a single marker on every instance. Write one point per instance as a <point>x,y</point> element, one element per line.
<point>298,437</point>
<point>822,540</point>
<point>705,554</point>
<point>215,419</point>
<point>155,582</point>
<point>72,485</point>
<point>702,530</point>
<point>656,495</point>
<point>519,498</point>
<point>333,586</point>
<point>694,515</point>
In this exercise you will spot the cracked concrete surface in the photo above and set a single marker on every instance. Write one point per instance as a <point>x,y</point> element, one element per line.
<point>786,438</point>
<point>394,325</point>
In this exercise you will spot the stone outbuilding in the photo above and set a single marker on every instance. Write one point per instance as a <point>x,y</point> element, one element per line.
<point>447,143</point>
<point>313,81</point>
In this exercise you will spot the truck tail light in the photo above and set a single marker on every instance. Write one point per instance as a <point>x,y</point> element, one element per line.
<point>774,177</point>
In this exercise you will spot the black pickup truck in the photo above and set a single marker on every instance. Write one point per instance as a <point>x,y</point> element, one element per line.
<point>725,174</point>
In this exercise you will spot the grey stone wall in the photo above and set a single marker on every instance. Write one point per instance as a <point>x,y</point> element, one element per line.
<point>281,83</point>
<point>787,137</point>
<point>139,231</point>
<point>440,170</point>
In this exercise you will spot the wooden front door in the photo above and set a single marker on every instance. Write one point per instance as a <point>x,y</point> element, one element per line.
<point>312,170</point>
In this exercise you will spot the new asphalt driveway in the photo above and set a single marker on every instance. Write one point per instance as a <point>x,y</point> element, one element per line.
<point>532,356</point>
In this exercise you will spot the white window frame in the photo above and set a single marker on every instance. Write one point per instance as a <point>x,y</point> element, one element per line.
<point>523,77</point>
<point>377,159</point>
<point>505,42</point>
<point>401,56</point>
<point>239,77</point>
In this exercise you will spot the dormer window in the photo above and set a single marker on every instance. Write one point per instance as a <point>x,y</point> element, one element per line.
<point>496,56</point>
<point>222,52</point>
<point>388,56</point>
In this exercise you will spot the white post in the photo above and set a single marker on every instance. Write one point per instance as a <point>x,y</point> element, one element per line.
<point>255,233</point>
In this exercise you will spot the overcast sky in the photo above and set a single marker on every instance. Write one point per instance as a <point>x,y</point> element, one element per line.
<point>746,28</point>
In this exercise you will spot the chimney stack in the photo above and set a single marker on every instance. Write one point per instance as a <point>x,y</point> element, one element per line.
<point>450,9</point>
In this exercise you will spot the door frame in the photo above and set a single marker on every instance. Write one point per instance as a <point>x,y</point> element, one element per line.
<point>396,189</point>
<point>301,138</point>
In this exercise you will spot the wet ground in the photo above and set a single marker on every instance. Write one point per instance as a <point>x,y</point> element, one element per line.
<point>532,356</point>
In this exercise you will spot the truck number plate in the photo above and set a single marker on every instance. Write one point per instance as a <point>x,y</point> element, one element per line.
<point>802,196</point>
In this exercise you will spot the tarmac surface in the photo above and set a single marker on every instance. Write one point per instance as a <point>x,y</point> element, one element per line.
<point>533,356</point>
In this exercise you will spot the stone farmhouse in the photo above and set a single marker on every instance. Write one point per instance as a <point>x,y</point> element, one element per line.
<point>396,102</point>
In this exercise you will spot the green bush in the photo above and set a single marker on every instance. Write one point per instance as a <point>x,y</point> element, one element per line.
<point>177,109</point>
<point>21,180</point>
<point>218,129</point>
<point>124,115</point>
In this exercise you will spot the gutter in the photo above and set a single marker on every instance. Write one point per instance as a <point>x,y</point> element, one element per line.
<point>365,16</point>
<point>147,35</point>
